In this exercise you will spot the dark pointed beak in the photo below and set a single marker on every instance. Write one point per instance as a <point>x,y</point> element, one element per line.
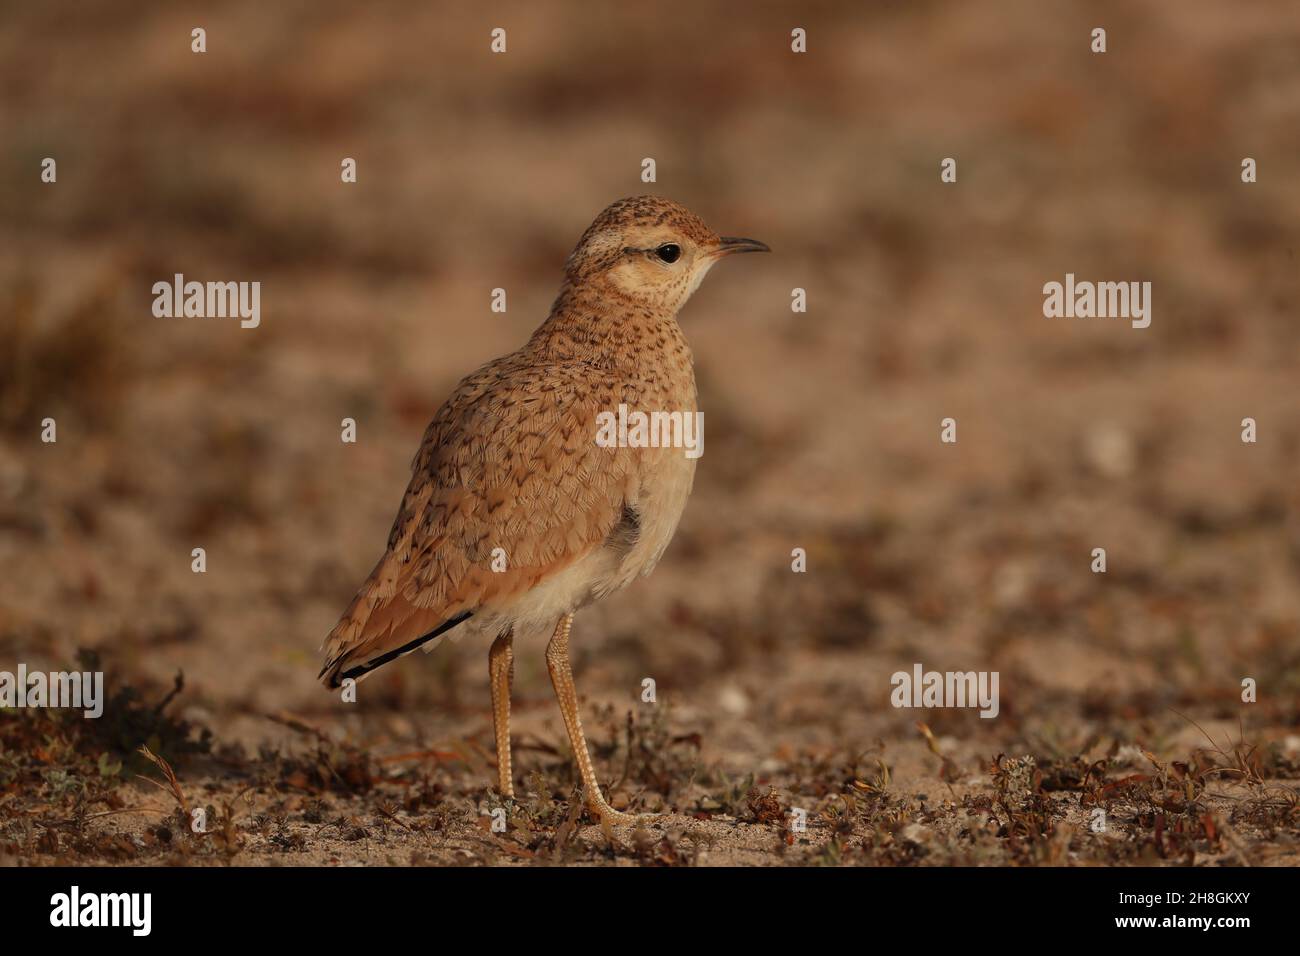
<point>730,244</point>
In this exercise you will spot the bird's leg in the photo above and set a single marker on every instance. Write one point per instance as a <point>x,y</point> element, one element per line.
<point>501,670</point>
<point>557,662</point>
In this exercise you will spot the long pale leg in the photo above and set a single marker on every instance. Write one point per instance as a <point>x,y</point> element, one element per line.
<point>557,662</point>
<point>501,671</point>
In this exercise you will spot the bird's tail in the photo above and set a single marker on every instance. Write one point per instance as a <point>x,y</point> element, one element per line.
<point>381,624</point>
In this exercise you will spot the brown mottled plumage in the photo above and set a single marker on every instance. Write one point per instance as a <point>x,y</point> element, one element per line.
<point>511,462</point>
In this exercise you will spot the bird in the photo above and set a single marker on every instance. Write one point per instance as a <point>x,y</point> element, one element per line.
<point>515,516</point>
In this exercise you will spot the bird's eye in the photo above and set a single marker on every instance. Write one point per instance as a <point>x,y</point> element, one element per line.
<point>669,252</point>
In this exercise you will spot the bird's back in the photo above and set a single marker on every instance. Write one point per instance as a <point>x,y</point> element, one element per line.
<point>514,510</point>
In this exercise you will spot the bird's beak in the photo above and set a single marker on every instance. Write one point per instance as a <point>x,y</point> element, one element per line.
<point>730,244</point>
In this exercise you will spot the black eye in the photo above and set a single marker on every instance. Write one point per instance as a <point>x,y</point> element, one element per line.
<point>669,252</point>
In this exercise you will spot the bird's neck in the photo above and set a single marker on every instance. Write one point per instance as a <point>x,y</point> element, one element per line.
<point>599,323</point>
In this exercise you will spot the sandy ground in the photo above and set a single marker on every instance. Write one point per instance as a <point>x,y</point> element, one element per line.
<point>1119,692</point>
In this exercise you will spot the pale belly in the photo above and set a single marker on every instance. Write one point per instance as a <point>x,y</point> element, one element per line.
<point>665,476</point>
<point>659,504</point>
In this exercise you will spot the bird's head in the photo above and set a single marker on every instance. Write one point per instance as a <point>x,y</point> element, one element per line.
<point>653,251</point>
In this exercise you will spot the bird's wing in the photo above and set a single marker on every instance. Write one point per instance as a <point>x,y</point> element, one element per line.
<point>509,462</point>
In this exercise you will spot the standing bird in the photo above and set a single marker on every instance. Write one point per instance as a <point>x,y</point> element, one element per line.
<point>516,516</point>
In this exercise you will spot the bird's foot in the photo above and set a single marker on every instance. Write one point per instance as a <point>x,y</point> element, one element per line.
<point>506,802</point>
<point>617,818</point>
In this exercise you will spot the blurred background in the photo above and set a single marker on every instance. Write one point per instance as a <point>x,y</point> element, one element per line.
<point>478,171</point>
